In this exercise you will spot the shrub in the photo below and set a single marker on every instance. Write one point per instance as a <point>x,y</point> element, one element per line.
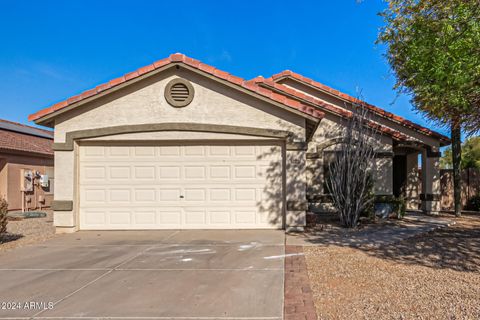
<point>3,215</point>
<point>398,204</point>
<point>473,203</point>
<point>349,171</point>
<point>399,207</point>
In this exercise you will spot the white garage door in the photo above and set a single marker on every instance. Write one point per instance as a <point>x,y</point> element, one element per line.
<point>180,187</point>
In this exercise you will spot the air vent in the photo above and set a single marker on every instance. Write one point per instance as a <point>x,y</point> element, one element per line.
<point>179,92</point>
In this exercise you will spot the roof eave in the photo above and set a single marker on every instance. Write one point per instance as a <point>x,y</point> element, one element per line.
<point>443,140</point>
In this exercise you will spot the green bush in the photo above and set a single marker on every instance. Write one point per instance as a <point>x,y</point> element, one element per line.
<point>399,205</point>
<point>3,215</point>
<point>473,203</point>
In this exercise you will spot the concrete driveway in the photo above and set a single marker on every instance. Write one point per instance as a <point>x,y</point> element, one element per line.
<point>225,274</point>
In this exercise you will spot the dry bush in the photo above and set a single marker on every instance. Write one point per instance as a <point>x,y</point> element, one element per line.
<point>3,215</point>
<point>350,174</point>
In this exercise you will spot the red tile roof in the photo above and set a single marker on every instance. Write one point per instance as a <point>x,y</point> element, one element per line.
<point>326,106</point>
<point>180,58</point>
<point>375,109</point>
<point>11,140</point>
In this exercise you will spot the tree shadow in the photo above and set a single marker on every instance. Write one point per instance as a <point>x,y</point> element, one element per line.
<point>278,187</point>
<point>418,243</point>
<point>456,247</point>
<point>270,203</point>
<point>9,237</point>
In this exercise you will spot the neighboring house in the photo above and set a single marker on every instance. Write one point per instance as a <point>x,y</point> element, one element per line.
<point>179,144</point>
<point>26,155</point>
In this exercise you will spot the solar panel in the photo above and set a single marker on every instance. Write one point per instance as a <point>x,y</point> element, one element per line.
<point>26,130</point>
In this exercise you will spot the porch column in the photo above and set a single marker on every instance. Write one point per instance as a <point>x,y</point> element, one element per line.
<point>412,186</point>
<point>295,187</point>
<point>430,195</point>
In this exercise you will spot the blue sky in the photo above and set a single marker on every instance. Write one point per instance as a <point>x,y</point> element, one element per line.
<point>51,50</point>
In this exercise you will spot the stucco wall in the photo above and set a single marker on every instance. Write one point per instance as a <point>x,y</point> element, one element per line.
<point>10,180</point>
<point>331,128</point>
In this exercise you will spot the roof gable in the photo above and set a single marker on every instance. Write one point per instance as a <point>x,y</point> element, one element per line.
<point>173,60</point>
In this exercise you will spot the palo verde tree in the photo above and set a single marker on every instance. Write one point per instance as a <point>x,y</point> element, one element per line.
<point>434,52</point>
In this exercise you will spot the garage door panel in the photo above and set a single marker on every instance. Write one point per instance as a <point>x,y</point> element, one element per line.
<point>194,151</point>
<point>92,152</point>
<point>145,152</point>
<point>118,196</point>
<point>245,216</point>
<point>145,195</point>
<point>180,187</point>
<point>169,217</point>
<point>119,152</point>
<point>94,172</point>
<point>220,216</point>
<point>219,172</point>
<point>169,151</point>
<point>120,172</point>
<point>144,172</point>
<point>169,172</point>
<point>169,194</point>
<point>195,216</point>
<point>144,217</point>
<point>220,194</point>
<point>194,172</point>
<point>197,194</point>
<point>94,217</point>
<point>120,217</point>
<point>94,195</point>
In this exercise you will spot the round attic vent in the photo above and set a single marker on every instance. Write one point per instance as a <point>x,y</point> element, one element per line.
<point>179,92</point>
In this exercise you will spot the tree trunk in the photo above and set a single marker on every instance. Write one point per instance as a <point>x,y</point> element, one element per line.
<point>456,161</point>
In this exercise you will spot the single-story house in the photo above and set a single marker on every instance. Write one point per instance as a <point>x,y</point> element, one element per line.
<point>179,144</point>
<point>26,166</point>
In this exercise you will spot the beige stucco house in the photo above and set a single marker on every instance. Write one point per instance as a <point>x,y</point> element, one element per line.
<point>179,144</point>
<point>26,156</point>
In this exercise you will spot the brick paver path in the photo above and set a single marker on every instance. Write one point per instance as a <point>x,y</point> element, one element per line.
<point>298,294</point>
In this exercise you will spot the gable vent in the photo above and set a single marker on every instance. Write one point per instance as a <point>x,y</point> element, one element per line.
<point>179,92</point>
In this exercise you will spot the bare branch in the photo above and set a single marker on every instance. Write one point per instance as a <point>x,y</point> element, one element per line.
<point>350,171</point>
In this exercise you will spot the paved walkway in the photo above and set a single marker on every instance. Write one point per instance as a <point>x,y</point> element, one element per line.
<point>371,236</point>
<point>299,303</point>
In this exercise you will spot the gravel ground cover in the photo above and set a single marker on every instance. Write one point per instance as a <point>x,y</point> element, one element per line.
<point>27,231</point>
<point>431,276</point>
